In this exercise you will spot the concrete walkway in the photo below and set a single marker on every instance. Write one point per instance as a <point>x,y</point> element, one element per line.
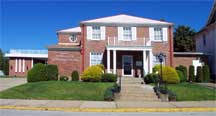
<point>102,104</point>
<point>6,83</point>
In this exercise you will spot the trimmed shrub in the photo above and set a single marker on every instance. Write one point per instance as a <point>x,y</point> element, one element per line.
<point>184,71</point>
<point>109,95</point>
<point>109,77</point>
<point>199,74</point>
<point>75,76</point>
<point>191,73</point>
<point>52,72</point>
<point>92,74</point>
<point>151,78</point>
<point>206,73</point>
<point>169,74</point>
<point>101,66</point>
<point>64,78</point>
<point>37,73</point>
<point>181,75</point>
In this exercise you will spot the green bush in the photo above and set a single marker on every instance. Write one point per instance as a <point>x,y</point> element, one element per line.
<point>109,77</point>
<point>75,76</point>
<point>191,73</point>
<point>37,73</point>
<point>181,75</point>
<point>52,72</point>
<point>184,71</point>
<point>92,74</point>
<point>64,78</point>
<point>151,78</point>
<point>101,66</point>
<point>199,74</point>
<point>169,74</point>
<point>206,73</point>
<point>109,94</point>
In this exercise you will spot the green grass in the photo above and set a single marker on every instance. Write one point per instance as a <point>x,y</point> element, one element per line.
<point>57,90</point>
<point>192,92</point>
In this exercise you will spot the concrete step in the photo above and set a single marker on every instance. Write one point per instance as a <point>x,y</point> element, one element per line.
<point>138,95</point>
<point>137,99</point>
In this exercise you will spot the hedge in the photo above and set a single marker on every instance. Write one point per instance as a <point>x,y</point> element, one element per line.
<point>206,73</point>
<point>52,72</point>
<point>109,77</point>
<point>92,74</point>
<point>181,75</point>
<point>183,69</point>
<point>151,78</point>
<point>169,74</point>
<point>37,73</point>
<point>75,76</point>
<point>191,73</point>
<point>199,74</point>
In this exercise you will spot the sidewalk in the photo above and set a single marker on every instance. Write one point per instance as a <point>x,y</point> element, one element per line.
<point>100,106</point>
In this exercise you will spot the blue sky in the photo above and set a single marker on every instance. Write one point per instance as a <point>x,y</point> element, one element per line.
<point>33,24</point>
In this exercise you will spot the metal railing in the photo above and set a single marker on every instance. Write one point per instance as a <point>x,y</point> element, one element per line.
<point>114,41</point>
<point>28,51</point>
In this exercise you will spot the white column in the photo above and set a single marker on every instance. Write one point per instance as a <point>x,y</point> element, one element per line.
<point>144,63</point>
<point>150,61</point>
<point>32,63</point>
<point>19,69</point>
<point>16,65</point>
<point>108,61</point>
<point>114,61</point>
<point>23,68</point>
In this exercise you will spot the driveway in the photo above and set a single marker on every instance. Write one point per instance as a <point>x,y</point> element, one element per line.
<point>6,83</point>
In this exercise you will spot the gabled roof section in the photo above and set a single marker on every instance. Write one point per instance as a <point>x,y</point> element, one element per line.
<point>70,30</point>
<point>212,16</point>
<point>126,19</point>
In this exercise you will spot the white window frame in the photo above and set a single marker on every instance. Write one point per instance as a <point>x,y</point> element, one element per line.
<point>75,39</point>
<point>128,34</point>
<point>96,34</point>
<point>99,56</point>
<point>158,34</point>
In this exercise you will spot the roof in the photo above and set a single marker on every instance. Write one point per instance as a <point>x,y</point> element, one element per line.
<point>212,15</point>
<point>25,53</point>
<point>126,19</point>
<point>189,53</point>
<point>70,30</point>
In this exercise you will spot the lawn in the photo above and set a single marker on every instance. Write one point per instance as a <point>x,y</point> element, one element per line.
<point>57,90</point>
<point>192,92</point>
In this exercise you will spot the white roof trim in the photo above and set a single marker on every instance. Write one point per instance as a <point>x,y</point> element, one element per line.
<point>27,55</point>
<point>188,53</point>
<point>126,19</point>
<point>70,30</point>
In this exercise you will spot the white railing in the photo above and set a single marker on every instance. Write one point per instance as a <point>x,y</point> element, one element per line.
<point>22,51</point>
<point>114,41</point>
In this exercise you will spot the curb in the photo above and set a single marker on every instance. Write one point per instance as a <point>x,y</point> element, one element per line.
<point>195,109</point>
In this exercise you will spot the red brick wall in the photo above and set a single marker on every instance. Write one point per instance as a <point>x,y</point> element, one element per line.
<point>12,64</point>
<point>67,61</point>
<point>65,37</point>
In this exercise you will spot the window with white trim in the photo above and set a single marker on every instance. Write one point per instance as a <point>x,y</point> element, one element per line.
<point>96,32</point>
<point>96,58</point>
<point>158,34</point>
<point>127,33</point>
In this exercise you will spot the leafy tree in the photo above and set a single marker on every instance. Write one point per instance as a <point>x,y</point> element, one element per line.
<point>183,39</point>
<point>5,66</point>
<point>1,60</point>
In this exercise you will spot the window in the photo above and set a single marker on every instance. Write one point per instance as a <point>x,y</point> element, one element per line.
<point>95,58</point>
<point>156,61</point>
<point>127,33</point>
<point>96,32</point>
<point>73,38</point>
<point>158,34</point>
<point>204,40</point>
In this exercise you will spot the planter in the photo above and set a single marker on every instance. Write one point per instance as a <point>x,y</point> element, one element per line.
<point>164,97</point>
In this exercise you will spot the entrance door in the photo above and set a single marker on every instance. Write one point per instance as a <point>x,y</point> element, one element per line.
<point>127,64</point>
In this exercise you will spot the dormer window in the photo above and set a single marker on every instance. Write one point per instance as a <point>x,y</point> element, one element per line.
<point>73,38</point>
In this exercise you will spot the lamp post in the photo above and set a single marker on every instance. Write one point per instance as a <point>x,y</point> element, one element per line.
<point>161,57</point>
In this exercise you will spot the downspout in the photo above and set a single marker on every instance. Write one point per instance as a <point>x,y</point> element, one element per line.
<point>82,49</point>
<point>171,45</point>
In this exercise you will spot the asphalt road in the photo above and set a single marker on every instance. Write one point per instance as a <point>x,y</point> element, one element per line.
<point>4,112</point>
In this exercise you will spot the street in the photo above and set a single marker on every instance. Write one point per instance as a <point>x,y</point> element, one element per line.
<point>5,112</point>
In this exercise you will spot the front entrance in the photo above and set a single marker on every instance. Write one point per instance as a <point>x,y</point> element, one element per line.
<point>127,65</point>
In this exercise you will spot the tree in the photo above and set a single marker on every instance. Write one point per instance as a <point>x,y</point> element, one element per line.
<point>183,39</point>
<point>1,60</point>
